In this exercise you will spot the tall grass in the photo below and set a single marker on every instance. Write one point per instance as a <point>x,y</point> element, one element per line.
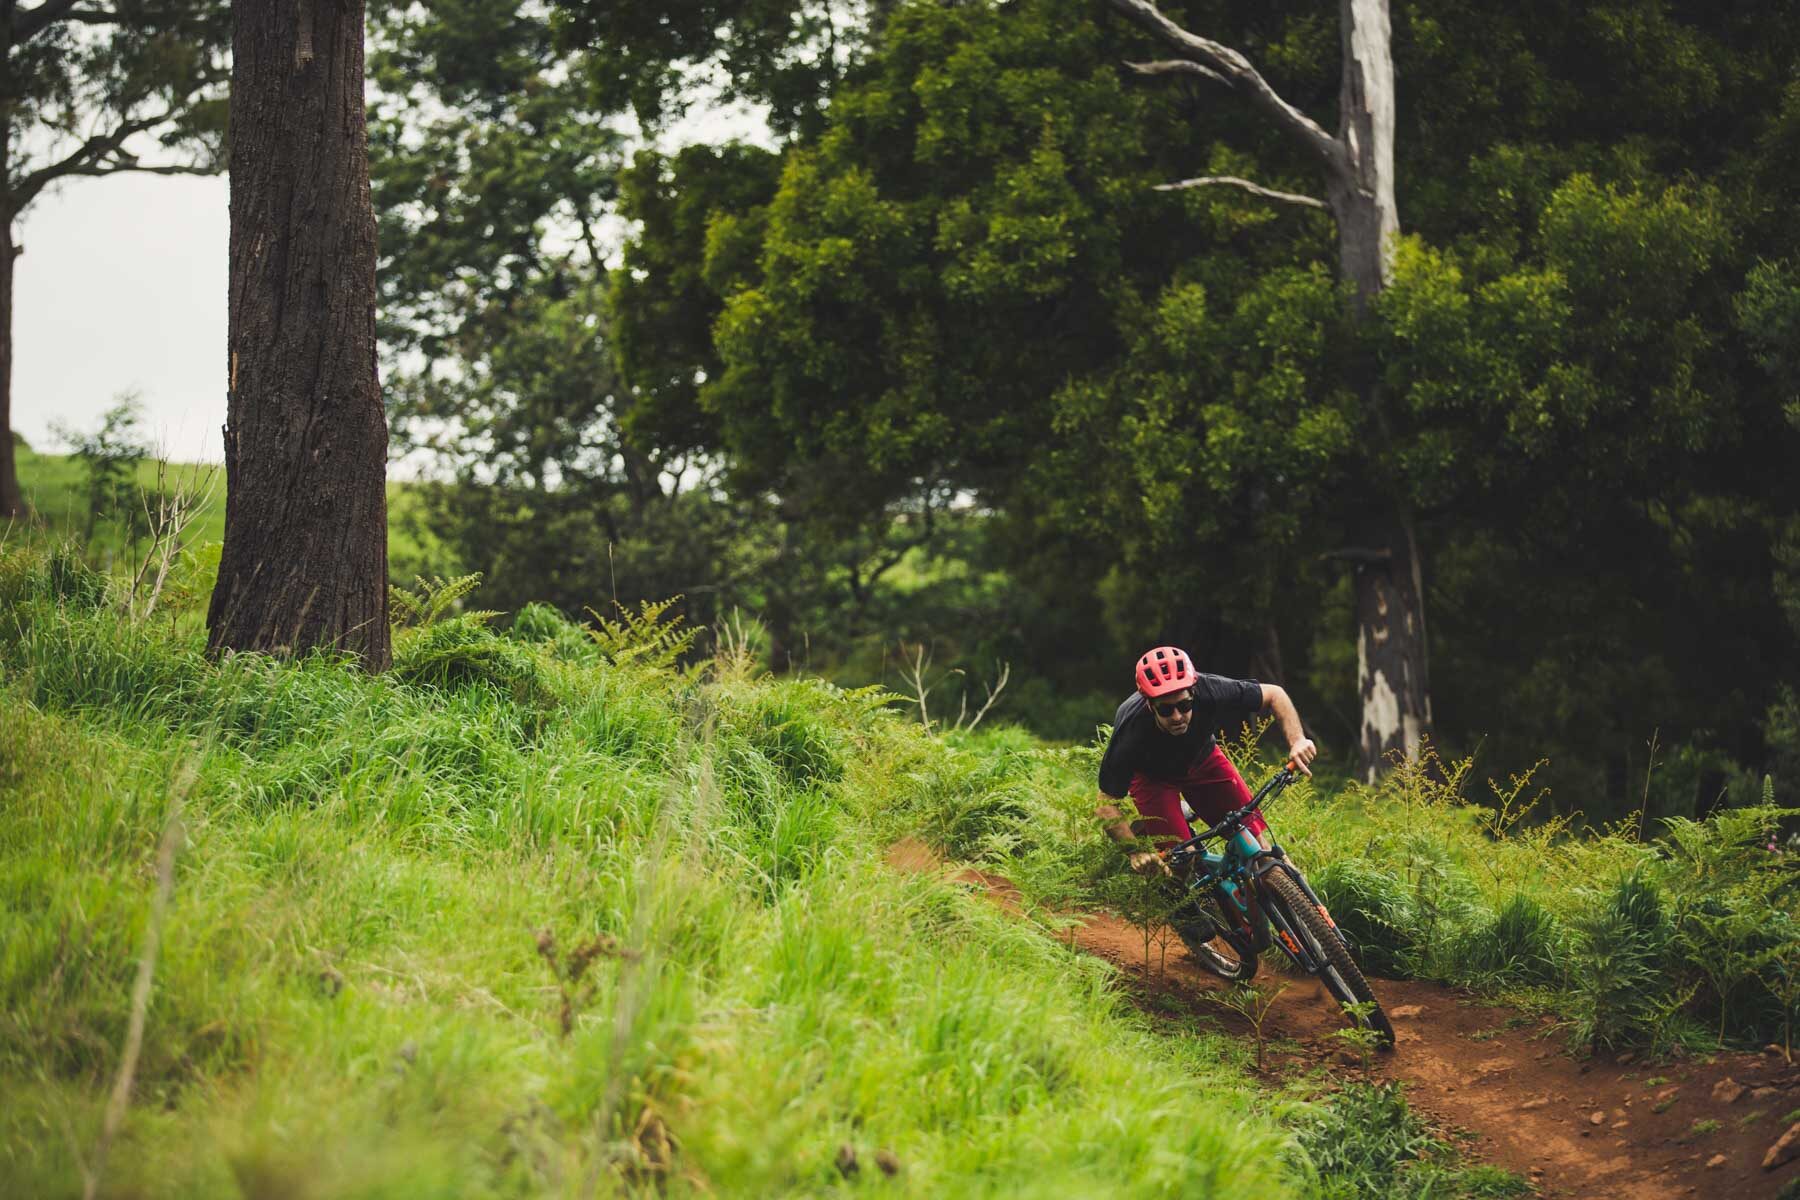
<point>617,932</point>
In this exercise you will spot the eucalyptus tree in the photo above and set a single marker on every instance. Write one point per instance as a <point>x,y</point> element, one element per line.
<point>1357,166</point>
<point>304,564</point>
<point>96,89</point>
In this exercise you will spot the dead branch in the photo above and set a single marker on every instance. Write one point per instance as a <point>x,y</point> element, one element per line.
<point>168,518</point>
<point>1178,66</point>
<point>915,677</point>
<point>1254,189</point>
<point>993,693</point>
<point>1241,76</point>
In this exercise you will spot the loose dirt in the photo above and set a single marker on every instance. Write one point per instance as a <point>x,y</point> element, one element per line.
<point>1601,1128</point>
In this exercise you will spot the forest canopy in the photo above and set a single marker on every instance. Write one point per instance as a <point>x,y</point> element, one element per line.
<point>936,362</point>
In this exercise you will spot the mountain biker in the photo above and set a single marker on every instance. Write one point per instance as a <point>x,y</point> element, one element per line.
<point>1162,752</point>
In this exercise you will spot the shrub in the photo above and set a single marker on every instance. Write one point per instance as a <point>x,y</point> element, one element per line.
<point>461,651</point>
<point>1619,980</point>
<point>1522,943</point>
<point>1370,906</point>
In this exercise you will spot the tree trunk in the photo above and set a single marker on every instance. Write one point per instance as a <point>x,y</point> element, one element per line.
<point>1390,595</point>
<point>12,500</point>
<point>305,558</point>
<point>1391,666</point>
<point>1362,197</point>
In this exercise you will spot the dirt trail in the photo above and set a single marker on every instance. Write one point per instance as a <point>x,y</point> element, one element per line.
<point>1501,1076</point>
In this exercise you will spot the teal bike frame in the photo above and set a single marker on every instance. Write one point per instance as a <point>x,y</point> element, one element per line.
<point>1232,874</point>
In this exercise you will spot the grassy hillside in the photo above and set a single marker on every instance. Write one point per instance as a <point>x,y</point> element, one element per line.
<point>538,913</point>
<point>515,920</point>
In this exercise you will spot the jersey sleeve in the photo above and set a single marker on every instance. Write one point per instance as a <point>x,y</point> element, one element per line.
<point>1118,764</point>
<point>1233,700</point>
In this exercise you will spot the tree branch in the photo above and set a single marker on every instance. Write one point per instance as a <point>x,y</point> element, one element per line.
<point>143,169</point>
<point>1178,66</point>
<point>1236,69</point>
<point>86,155</point>
<point>35,20</point>
<point>1252,188</point>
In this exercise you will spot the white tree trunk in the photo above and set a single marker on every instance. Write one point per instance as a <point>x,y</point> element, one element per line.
<point>1358,165</point>
<point>1362,195</point>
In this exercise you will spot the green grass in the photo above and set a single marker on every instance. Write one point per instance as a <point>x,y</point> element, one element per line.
<point>1366,1143</point>
<point>516,920</point>
<point>54,486</point>
<point>351,998</point>
<point>1700,1129</point>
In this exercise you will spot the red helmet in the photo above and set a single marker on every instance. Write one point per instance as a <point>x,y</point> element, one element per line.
<point>1163,670</point>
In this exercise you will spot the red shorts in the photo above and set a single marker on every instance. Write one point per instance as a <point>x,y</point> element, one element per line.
<point>1212,788</point>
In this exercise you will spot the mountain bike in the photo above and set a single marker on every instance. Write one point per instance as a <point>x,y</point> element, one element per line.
<point>1258,899</point>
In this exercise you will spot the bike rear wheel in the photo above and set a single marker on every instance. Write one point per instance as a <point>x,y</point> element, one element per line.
<point>1337,970</point>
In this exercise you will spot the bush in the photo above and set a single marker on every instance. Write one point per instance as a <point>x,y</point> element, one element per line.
<point>459,651</point>
<point>1370,907</point>
<point>1522,944</point>
<point>1618,969</point>
<point>1365,1141</point>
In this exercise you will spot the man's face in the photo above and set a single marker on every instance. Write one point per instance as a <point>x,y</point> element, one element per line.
<point>1173,712</point>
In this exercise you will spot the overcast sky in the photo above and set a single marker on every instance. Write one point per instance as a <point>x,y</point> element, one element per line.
<point>122,287</point>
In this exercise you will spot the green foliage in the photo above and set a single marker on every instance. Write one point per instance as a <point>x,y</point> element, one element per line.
<point>1524,943</point>
<point>1619,986</point>
<point>1369,905</point>
<point>650,637</point>
<point>110,457</point>
<point>963,280</point>
<point>430,600</point>
<point>1365,1141</point>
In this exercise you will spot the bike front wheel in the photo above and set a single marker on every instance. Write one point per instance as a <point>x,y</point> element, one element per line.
<point>1337,969</point>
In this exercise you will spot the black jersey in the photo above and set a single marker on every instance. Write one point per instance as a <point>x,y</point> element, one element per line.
<point>1139,747</point>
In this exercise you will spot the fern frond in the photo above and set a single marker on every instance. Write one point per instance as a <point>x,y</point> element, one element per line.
<point>652,636</point>
<point>429,599</point>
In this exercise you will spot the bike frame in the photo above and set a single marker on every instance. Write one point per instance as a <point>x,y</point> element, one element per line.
<point>1234,873</point>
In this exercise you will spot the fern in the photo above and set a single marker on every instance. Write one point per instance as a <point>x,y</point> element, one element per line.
<point>429,599</point>
<point>650,637</point>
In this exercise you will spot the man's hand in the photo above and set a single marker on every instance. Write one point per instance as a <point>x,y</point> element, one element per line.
<point>1301,754</point>
<point>1149,863</point>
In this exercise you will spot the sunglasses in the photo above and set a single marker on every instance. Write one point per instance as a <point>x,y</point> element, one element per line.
<point>1168,708</point>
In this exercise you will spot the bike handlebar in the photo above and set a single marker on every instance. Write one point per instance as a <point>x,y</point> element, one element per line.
<point>1268,791</point>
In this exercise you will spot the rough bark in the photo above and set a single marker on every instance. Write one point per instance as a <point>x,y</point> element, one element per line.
<point>12,500</point>
<point>305,558</point>
<point>1392,671</point>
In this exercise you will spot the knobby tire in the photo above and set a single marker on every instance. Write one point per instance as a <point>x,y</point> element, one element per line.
<point>1338,972</point>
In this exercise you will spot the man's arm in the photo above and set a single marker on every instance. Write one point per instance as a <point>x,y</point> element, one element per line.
<point>1300,747</point>
<point>1118,828</point>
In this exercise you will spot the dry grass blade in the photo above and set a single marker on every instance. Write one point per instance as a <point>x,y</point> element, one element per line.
<point>173,832</point>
